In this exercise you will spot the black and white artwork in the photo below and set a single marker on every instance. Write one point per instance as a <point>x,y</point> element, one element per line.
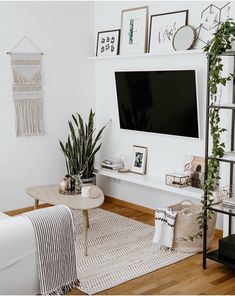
<point>108,43</point>
<point>163,28</point>
<point>139,159</point>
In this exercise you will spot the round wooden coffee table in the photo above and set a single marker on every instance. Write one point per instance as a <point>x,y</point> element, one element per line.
<point>50,194</point>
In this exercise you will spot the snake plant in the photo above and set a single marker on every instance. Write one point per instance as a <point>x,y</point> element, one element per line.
<point>80,148</point>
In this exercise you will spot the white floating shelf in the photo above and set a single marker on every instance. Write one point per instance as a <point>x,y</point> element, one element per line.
<point>155,182</point>
<point>164,53</point>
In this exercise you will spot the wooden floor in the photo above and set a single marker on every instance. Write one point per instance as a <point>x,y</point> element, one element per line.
<point>185,277</point>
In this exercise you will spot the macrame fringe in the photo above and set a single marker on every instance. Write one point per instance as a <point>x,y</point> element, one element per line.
<point>20,79</point>
<point>29,117</point>
<point>28,93</point>
<point>66,288</point>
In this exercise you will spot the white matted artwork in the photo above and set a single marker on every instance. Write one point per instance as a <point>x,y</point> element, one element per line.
<point>163,28</point>
<point>108,43</point>
<point>139,159</point>
<point>134,30</point>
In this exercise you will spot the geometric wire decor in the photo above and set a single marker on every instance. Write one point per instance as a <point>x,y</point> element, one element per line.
<point>211,18</point>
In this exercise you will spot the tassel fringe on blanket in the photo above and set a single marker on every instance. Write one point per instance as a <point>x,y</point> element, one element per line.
<point>54,233</point>
<point>27,93</point>
<point>66,288</point>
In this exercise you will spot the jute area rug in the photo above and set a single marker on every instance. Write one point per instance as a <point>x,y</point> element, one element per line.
<point>119,249</point>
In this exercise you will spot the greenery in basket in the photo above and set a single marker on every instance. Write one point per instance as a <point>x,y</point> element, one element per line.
<point>220,43</point>
<point>80,148</point>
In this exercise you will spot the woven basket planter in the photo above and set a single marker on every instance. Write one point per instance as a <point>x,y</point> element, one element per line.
<point>187,225</point>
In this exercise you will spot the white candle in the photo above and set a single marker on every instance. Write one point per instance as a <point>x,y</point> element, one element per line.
<point>85,191</point>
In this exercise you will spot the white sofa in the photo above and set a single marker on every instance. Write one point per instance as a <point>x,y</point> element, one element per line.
<point>18,260</point>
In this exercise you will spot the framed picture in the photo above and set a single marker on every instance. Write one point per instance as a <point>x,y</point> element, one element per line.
<point>163,27</point>
<point>139,160</point>
<point>134,30</point>
<point>108,43</point>
<point>197,168</point>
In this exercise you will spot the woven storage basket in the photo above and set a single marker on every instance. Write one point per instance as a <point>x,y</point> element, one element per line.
<point>186,224</point>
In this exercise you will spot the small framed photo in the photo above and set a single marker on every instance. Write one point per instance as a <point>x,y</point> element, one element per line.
<point>163,28</point>
<point>134,30</point>
<point>139,160</point>
<point>108,43</point>
<point>197,168</point>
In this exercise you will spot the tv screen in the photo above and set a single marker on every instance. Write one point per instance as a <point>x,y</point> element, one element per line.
<point>162,102</point>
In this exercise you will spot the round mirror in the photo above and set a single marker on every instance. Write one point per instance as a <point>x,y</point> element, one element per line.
<point>183,38</point>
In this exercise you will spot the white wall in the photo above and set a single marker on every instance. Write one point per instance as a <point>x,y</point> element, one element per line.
<point>64,32</point>
<point>165,153</point>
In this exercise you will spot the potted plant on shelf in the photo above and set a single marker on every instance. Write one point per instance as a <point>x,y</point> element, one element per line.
<point>80,148</point>
<point>221,42</point>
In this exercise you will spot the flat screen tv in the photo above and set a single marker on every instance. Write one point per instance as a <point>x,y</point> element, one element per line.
<point>162,102</point>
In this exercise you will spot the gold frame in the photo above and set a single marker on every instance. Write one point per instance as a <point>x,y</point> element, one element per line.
<point>146,26</point>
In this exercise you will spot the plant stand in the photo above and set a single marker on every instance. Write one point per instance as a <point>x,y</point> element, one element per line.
<point>216,206</point>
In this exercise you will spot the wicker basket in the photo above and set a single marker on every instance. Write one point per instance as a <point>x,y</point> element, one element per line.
<point>186,224</point>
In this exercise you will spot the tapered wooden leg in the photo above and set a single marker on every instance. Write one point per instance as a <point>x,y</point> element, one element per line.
<point>36,204</point>
<point>85,218</point>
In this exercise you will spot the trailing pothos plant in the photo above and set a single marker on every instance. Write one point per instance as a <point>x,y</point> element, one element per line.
<point>221,42</point>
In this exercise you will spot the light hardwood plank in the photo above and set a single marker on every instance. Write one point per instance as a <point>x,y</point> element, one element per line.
<point>23,210</point>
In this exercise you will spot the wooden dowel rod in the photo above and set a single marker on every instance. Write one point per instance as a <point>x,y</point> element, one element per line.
<point>8,52</point>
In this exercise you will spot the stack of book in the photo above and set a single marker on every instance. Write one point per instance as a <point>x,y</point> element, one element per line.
<point>112,164</point>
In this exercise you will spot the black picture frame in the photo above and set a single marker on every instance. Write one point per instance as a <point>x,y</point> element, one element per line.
<point>117,43</point>
<point>186,11</point>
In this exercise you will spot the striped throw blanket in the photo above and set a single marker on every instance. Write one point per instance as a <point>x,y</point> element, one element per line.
<point>164,227</point>
<point>54,232</point>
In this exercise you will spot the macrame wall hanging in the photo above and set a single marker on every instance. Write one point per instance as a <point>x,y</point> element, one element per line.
<point>27,91</point>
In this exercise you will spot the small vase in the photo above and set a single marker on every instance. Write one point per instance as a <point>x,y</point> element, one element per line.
<point>64,185</point>
<point>72,184</point>
<point>78,182</point>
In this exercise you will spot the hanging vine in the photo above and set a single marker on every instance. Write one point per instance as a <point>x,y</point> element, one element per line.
<point>220,43</point>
